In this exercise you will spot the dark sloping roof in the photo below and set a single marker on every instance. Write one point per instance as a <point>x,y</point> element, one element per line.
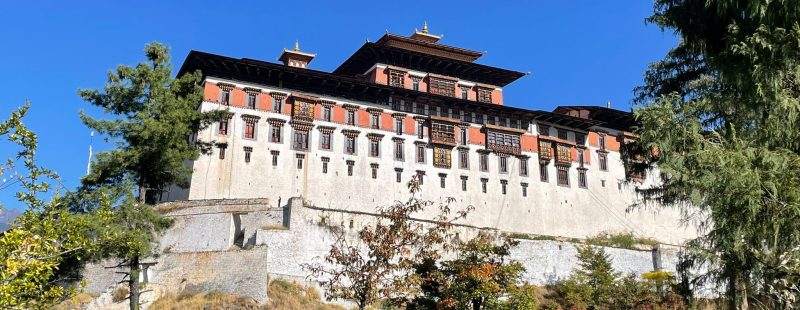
<point>334,85</point>
<point>425,47</point>
<point>611,118</point>
<point>371,53</point>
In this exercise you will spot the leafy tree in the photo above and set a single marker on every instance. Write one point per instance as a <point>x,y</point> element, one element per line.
<point>722,114</point>
<point>480,277</point>
<point>378,265</point>
<point>46,234</point>
<point>592,285</point>
<point>154,118</point>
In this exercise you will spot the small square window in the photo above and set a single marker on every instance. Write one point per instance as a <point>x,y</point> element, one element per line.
<point>274,157</point>
<point>398,172</point>
<point>300,159</point>
<point>325,161</point>
<point>222,148</point>
<point>247,151</point>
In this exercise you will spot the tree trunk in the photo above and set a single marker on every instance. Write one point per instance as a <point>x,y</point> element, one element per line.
<point>142,193</point>
<point>133,284</point>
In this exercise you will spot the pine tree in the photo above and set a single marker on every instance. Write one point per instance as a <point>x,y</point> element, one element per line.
<point>154,118</point>
<point>721,120</point>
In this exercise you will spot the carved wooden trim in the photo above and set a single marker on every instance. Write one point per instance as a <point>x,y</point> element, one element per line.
<point>278,122</point>
<point>350,133</point>
<point>252,90</point>
<point>326,129</point>
<point>226,86</point>
<point>301,125</point>
<point>278,95</point>
<point>250,118</point>
<point>374,136</point>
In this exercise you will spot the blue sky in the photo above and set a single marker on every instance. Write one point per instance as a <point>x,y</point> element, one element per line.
<point>580,52</point>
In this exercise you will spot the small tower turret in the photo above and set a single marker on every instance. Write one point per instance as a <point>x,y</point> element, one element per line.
<point>296,58</point>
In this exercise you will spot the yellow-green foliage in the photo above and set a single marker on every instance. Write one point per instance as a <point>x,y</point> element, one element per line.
<point>292,296</point>
<point>622,240</point>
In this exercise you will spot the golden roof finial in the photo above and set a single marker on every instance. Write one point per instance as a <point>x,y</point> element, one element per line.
<point>425,27</point>
<point>296,45</point>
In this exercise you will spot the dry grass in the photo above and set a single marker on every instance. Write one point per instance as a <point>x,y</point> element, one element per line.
<point>120,293</point>
<point>283,295</point>
<point>286,295</point>
<point>274,227</point>
<point>75,303</point>
<point>211,301</point>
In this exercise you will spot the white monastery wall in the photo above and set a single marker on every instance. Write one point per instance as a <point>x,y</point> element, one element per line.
<point>548,208</point>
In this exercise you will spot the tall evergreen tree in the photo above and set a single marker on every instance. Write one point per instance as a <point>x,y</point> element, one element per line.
<point>721,119</point>
<point>154,118</point>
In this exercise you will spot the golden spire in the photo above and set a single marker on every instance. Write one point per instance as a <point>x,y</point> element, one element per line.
<point>425,27</point>
<point>296,45</point>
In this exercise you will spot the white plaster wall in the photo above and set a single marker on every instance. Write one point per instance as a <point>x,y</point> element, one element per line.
<point>548,208</point>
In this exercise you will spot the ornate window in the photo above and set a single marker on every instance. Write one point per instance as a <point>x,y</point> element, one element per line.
<point>523,166</point>
<point>464,92</point>
<point>544,130</point>
<point>462,136</point>
<point>398,150</point>
<point>603,159</point>
<point>503,186</point>
<point>398,175</point>
<point>503,163</point>
<point>443,133</point>
<point>545,150</point>
<point>222,130</point>
<point>375,120</point>
<point>274,157</point>
<point>300,159</point>
<point>303,109</point>
<point>420,177</point>
<point>374,144</point>
<point>484,162</point>
<point>562,134</point>
<point>325,141</point>
<point>503,142</point>
<point>442,87</point>
<point>602,140</point>
<point>374,168</point>
<point>250,126</point>
<point>442,180</point>
<point>396,78</point>
<point>441,157</point>
<point>580,139</point>
<point>398,125</point>
<point>247,151</point>
<point>300,142</point>
<point>563,175</point>
<point>374,148</point>
<point>350,164</point>
<point>350,145</point>
<point>582,177</point>
<point>325,161</point>
<point>463,158</point>
<point>563,154</point>
<point>464,183</point>
<point>222,148</point>
<point>483,184</point>
<point>251,100</point>
<point>421,153</point>
<point>350,115</point>
<point>225,97</point>
<point>275,134</point>
<point>524,189</point>
<point>420,130</point>
<point>543,176</point>
<point>415,83</point>
<point>484,95</point>
<point>326,113</point>
<point>277,102</point>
